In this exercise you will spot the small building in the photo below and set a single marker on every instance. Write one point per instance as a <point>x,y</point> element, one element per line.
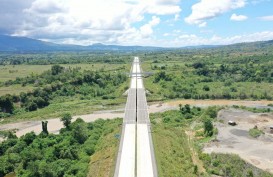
<point>233,123</point>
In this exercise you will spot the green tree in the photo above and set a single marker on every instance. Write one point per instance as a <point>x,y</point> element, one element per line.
<point>212,111</point>
<point>44,127</point>
<point>80,131</point>
<point>208,127</point>
<point>56,69</point>
<point>185,109</point>
<point>31,106</point>
<point>66,119</point>
<point>6,104</point>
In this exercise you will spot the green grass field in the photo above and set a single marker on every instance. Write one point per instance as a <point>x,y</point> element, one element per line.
<point>15,89</point>
<point>10,72</point>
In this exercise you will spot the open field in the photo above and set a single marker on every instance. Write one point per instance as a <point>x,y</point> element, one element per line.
<point>11,72</point>
<point>15,89</point>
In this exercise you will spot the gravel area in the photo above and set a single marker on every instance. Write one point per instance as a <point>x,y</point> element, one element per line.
<point>235,139</point>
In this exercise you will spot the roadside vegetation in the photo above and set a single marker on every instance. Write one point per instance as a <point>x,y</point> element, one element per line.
<point>65,154</point>
<point>218,74</point>
<point>178,138</point>
<point>54,90</point>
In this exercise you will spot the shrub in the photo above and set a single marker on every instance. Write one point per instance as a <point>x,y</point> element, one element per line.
<point>255,132</point>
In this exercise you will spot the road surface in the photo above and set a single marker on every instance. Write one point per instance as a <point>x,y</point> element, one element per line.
<point>136,154</point>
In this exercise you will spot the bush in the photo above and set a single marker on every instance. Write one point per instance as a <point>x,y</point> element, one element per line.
<point>255,132</point>
<point>206,88</point>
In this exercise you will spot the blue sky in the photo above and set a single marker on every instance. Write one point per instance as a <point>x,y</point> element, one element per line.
<point>170,23</point>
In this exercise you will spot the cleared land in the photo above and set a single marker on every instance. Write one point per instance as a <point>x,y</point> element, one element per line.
<point>236,139</point>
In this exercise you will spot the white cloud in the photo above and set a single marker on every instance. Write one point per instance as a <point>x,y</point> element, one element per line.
<point>176,17</point>
<point>83,21</point>
<point>236,17</point>
<point>203,24</point>
<point>163,9</point>
<point>266,18</point>
<point>192,40</point>
<point>208,9</point>
<point>147,29</point>
<point>255,2</point>
<point>167,1</point>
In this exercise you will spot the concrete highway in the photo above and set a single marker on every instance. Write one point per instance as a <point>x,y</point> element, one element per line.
<point>136,152</point>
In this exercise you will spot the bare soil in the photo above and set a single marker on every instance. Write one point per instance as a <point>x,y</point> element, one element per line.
<point>236,139</point>
<point>54,125</point>
<point>205,103</point>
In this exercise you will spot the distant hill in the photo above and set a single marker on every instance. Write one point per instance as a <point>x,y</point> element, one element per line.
<point>10,43</point>
<point>22,44</point>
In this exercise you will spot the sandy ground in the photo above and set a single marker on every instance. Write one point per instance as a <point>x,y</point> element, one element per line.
<point>54,125</point>
<point>204,103</point>
<point>235,139</point>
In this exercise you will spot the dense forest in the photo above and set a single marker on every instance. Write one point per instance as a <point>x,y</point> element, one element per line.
<point>50,155</point>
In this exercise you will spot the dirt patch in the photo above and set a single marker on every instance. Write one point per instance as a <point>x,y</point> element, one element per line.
<point>54,125</point>
<point>236,139</point>
<point>204,103</point>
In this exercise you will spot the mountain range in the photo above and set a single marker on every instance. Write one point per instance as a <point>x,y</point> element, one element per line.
<point>24,44</point>
<point>21,44</point>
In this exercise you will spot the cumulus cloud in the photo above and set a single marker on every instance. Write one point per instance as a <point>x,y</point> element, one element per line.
<point>11,14</point>
<point>266,18</point>
<point>208,9</point>
<point>191,39</point>
<point>236,17</point>
<point>147,29</point>
<point>83,21</point>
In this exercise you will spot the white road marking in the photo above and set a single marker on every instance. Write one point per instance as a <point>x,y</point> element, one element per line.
<point>128,153</point>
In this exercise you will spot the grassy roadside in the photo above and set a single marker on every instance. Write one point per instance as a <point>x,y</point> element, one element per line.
<point>178,146</point>
<point>102,162</point>
<point>175,154</point>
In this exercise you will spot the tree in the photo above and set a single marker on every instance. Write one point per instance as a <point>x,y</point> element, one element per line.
<point>31,106</point>
<point>80,131</point>
<point>206,88</point>
<point>66,119</point>
<point>56,69</point>
<point>44,127</point>
<point>29,137</point>
<point>186,109</point>
<point>6,104</point>
<point>212,111</point>
<point>208,127</point>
